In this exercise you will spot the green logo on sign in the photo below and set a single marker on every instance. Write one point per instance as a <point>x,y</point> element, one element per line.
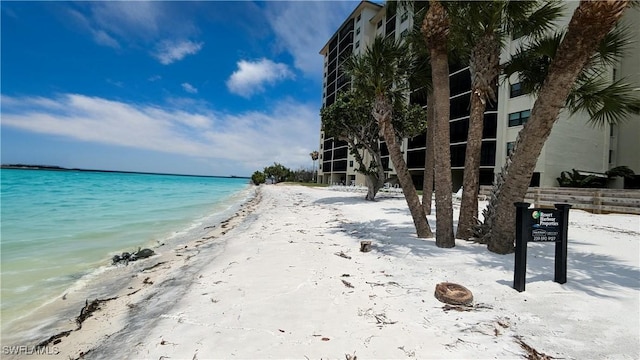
<point>535,215</point>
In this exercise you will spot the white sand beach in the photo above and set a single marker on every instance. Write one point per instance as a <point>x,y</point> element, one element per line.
<point>269,284</point>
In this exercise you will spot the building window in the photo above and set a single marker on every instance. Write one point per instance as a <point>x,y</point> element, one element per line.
<point>519,118</point>
<point>357,31</point>
<point>510,146</point>
<point>610,156</point>
<point>350,163</point>
<point>404,17</point>
<point>357,45</point>
<point>516,90</point>
<point>358,18</point>
<point>379,24</point>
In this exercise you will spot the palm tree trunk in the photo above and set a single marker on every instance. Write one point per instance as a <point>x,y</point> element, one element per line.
<point>427,183</point>
<point>382,112</point>
<point>435,28</point>
<point>591,21</point>
<point>470,183</point>
<point>484,66</point>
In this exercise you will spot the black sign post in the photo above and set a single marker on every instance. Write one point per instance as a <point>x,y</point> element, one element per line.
<point>540,225</point>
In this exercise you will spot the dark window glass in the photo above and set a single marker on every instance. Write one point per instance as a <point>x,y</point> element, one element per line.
<point>379,24</point>
<point>492,105</point>
<point>459,107</point>
<point>384,150</point>
<point>326,166</point>
<point>510,146</point>
<point>385,163</point>
<point>460,83</point>
<point>340,143</point>
<point>486,177</point>
<point>488,153</point>
<point>458,130</point>
<point>340,165</point>
<point>415,159</point>
<point>391,25</point>
<point>535,180</point>
<point>519,118</point>
<point>515,90</point>
<point>457,155</point>
<point>328,144</point>
<point>340,153</point>
<point>418,141</point>
<point>327,155</point>
<point>350,163</point>
<point>490,127</point>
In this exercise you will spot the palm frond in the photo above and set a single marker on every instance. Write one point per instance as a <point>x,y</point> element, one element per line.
<point>605,102</point>
<point>613,47</point>
<point>541,20</point>
<point>531,62</point>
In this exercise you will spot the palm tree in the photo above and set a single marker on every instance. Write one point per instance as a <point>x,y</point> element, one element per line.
<point>435,28</point>
<point>314,157</point>
<point>421,88</point>
<point>381,73</point>
<point>482,27</point>
<point>578,54</point>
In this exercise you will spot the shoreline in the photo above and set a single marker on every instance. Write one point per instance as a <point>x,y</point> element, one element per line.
<point>58,335</point>
<point>287,280</point>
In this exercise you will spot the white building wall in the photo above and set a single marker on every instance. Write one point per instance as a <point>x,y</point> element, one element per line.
<point>626,151</point>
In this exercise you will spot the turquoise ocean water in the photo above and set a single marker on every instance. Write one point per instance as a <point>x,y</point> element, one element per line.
<point>59,227</point>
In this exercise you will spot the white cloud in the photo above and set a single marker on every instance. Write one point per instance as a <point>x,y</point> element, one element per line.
<point>126,18</point>
<point>303,27</point>
<point>251,76</point>
<point>189,88</point>
<point>154,78</point>
<point>249,140</point>
<point>169,51</point>
<point>102,38</point>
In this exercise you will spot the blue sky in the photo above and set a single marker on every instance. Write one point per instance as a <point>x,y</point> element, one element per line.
<point>209,88</point>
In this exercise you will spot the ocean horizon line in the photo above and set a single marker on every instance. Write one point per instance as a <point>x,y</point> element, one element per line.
<point>60,168</point>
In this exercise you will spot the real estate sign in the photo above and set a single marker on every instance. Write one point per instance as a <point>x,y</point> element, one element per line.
<point>540,225</point>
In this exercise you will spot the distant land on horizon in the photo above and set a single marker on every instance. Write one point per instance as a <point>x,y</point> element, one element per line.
<point>59,168</point>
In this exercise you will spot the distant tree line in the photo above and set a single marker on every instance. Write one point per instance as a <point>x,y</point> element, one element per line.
<point>279,173</point>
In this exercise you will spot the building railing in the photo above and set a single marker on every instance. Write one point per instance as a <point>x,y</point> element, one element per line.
<point>595,200</point>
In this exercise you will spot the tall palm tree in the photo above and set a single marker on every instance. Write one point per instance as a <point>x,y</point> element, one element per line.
<point>577,52</point>
<point>421,87</point>
<point>482,26</point>
<point>435,28</point>
<point>381,73</point>
<point>314,157</point>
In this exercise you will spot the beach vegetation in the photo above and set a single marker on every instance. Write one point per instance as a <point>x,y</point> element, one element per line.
<point>277,173</point>
<point>302,175</point>
<point>381,75</point>
<point>349,119</point>
<point>258,178</point>
<point>566,69</point>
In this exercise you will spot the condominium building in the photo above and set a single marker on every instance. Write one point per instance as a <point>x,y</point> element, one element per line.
<point>574,142</point>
